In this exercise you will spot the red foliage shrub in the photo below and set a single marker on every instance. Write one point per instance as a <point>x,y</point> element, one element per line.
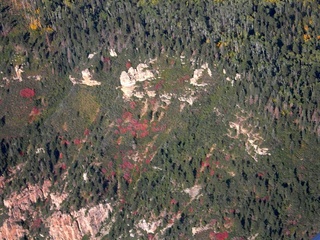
<point>173,202</point>
<point>122,130</point>
<point>133,126</point>
<point>35,111</point>
<point>27,93</point>
<point>63,166</point>
<point>33,114</point>
<point>134,121</point>
<point>184,79</point>
<point>77,141</point>
<point>36,223</point>
<point>140,127</point>
<point>133,105</point>
<point>159,85</point>
<point>156,128</point>
<point>61,155</point>
<point>213,222</point>
<point>218,236</point>
<point>127,116</point>
<point>150,237</point>
<point>65,142</point>
<point>127,165</point>
<point>86,132</point>
<point>251,100</point>
<point>128,64</point>
<point>143,134</point>
<point>153,101</point>
<point>260,175</point>
<point>127,177</point>
<point>205,164</point>
<point>107,60</point>
<point>110,164</point>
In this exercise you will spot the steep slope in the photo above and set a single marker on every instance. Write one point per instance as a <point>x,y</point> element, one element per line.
<point>159,120</point>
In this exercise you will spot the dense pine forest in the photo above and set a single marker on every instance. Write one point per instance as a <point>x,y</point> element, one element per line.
<point>202,121</point>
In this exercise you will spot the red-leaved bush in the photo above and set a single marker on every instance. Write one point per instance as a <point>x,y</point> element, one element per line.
<point>77,141</point>
<point>63,166</point>
<point>128,64</point>
<point>218,236</point>
<point>27,93</point>
<point>86,132</point>
<point>36,223</point>
<point>35,111</point>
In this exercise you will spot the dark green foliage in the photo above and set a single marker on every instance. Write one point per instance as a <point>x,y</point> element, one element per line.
<point>273,45</point>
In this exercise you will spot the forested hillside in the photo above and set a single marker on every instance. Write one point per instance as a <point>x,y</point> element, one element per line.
<point>151,119</point>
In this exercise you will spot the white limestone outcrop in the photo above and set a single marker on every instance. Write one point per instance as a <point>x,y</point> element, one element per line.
<point>129,79</point>
<point>86,79</point>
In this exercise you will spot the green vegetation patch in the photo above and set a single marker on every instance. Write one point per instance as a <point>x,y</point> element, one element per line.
<point>77,111</point>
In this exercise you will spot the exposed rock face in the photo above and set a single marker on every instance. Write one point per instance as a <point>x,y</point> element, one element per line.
<point>91,55</point>
<point>198,74</point>
<point>57,199</point>
<point>196,230</point>
<point>86,75</point>
<point>85,177</point>
<point>142,73</point>
<point>11,230</point>
<point>149,227</point>
<point>18,202</point>
<point>254,140</point>
<point>236,78</point>
<point>18,71</point>
<point>86,79</point>
<point>188,99</point>
<point>90,221</point>
<point>113,53</point>
<point>128,79</point>
<point>193,191</point>
<point>166,98</point>
<point>61,225</point>
<point>2,183</point>
<point>78,223</point>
